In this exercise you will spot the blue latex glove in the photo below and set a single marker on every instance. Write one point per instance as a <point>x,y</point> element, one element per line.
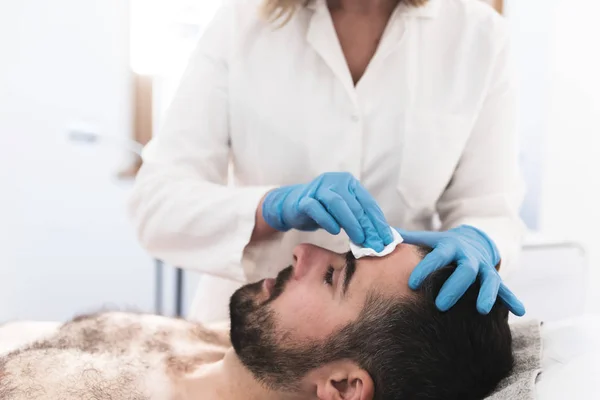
<point>475,255</point>
<point>332,201</point>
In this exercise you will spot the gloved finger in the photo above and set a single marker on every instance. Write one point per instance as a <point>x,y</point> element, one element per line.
<point>490,283</point>
<point>372,238</point>
<point>458,284</point>
<point>375,214</point>
<point>421,238</point>
<point>338,208</point>
<point>511,301</point>
<point>317,213</point>
<point>439,257</point>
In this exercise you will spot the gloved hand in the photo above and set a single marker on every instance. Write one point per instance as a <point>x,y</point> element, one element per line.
<point>332,201</point>
<point>475,255</point>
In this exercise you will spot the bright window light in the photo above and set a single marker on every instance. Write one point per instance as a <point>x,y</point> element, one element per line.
<point>163,33</point>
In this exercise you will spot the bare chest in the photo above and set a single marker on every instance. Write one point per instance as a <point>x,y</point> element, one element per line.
<point>112,355</point>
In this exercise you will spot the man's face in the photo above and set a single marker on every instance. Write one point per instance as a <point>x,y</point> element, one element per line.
<point>282,321</point>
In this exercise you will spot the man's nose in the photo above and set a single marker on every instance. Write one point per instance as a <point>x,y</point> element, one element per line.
<point>307,257</point>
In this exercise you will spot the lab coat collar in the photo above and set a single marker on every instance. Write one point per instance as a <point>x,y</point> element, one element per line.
<point>428,10</point>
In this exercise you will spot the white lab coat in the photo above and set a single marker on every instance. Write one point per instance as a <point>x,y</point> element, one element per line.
<point>429,130</point>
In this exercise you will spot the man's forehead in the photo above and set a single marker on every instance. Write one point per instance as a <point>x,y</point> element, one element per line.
<point>392,270</point>
<point>405,256</point>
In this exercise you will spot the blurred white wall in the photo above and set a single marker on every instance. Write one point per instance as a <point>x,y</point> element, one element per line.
<point>65,242</point>
<point>531,24</point>
<point>559,67</point>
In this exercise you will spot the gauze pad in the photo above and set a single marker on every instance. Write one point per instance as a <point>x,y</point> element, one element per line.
<point>360,252</point>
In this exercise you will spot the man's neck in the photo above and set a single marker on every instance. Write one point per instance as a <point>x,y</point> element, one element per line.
<point>230,379</point>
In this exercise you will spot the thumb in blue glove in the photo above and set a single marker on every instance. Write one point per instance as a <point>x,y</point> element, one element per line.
<point>475,256</point>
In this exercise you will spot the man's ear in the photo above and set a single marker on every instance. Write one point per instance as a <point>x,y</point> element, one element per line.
<point>347,383</point>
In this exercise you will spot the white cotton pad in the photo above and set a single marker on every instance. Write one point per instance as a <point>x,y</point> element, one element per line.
<point>360,252</point>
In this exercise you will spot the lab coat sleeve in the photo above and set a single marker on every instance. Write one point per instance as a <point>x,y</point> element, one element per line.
<point>183,212</point>
<point>487,189</point>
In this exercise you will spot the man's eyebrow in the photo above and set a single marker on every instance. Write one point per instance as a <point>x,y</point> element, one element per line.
<point>350,270</point>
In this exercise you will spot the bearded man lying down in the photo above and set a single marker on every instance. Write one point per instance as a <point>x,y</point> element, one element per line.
<point>328,327</point>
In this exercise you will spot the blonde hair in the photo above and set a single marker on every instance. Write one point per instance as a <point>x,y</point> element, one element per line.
<point>283,10</point>
<point>274,10</point>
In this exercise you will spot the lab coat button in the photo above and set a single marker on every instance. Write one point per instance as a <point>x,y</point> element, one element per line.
<point>355,118</point>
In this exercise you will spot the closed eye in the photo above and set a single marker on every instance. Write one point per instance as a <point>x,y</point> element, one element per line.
<point>328,279</point>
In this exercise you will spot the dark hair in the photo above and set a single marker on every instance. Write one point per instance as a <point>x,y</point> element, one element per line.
<point>414,351</point>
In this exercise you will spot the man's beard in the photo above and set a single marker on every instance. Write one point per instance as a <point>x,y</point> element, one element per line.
<point>276,362</point>
<point>252,322</point>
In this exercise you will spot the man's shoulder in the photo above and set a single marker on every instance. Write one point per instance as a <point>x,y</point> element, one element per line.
<point>218,325</point>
